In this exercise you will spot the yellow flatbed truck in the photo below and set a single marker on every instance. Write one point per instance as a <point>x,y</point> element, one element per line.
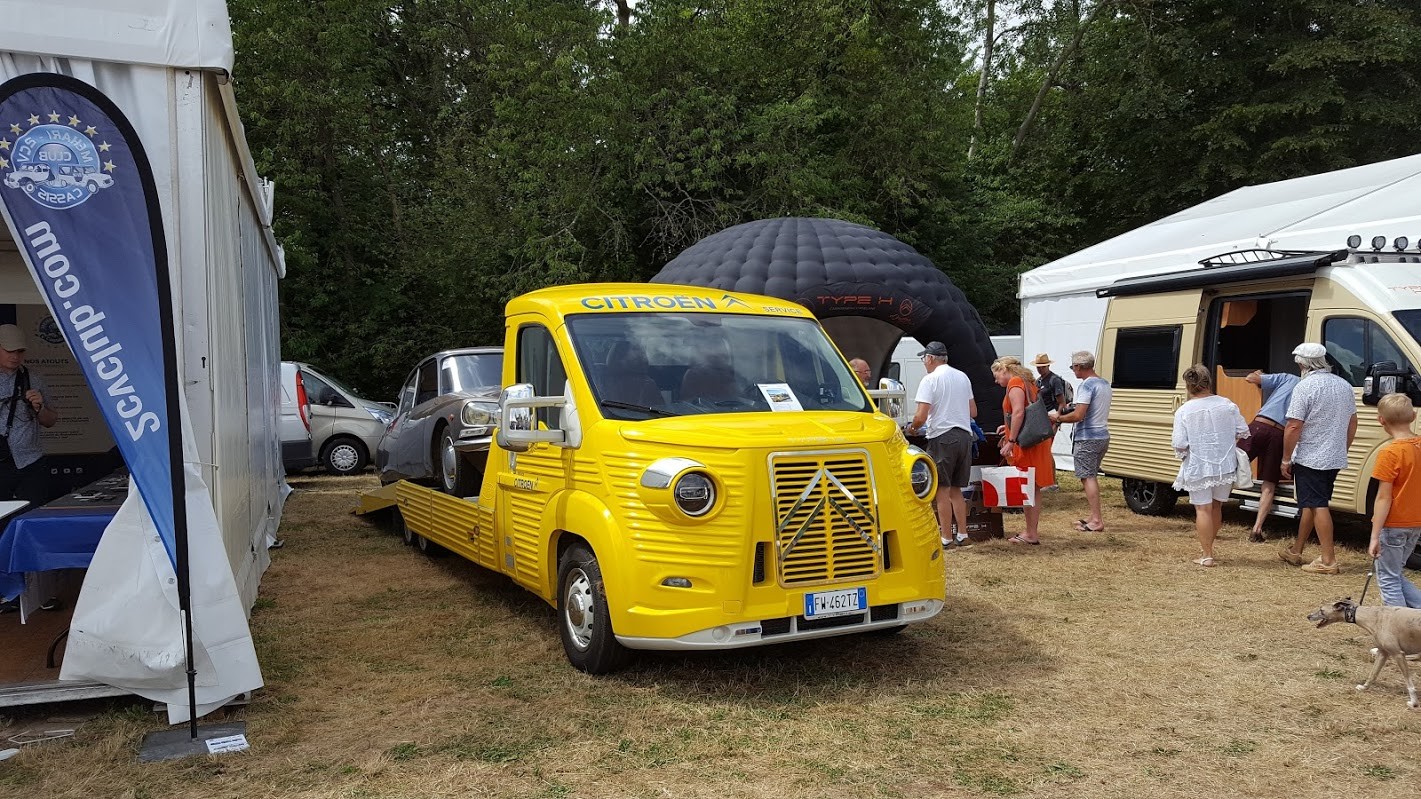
<point>683,468</point>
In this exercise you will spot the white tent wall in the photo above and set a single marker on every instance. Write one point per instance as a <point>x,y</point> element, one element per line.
<point>166,63</point>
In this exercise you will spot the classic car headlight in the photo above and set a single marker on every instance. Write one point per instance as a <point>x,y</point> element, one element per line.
<point>695,493</point>
<point>479,414</point>
<point>921,477</point>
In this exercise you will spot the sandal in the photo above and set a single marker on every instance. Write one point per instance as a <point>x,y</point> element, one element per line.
<point>1082,526</point>
<point>1205,562</point>
<point>1016,539</point>
<point>1257,537</point>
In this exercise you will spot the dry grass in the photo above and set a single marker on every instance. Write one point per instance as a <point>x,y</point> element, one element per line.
<point>1095,665</point>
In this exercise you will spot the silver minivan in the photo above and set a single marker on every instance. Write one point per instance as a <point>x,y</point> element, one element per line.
<point>345,427</point>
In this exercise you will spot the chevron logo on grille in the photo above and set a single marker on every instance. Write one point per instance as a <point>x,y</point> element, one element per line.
<point>838,500</point>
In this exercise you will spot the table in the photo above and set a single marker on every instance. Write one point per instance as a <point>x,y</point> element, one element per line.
<point>60,535</point>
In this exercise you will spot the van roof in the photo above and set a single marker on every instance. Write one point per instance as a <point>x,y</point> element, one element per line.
<point>580,298</point>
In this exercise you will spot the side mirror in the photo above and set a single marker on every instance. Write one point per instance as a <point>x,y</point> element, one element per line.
<point>890,397</point>
<point>1385,378</point>
<point>518,428</point>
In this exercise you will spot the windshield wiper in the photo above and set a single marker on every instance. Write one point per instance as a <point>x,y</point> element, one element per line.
<point>631,406</point>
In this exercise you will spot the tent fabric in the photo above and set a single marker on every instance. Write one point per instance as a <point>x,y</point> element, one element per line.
<point>1317,212</point>
<point>174,33</point>
<point>838,268</point>
<point>126,628</point>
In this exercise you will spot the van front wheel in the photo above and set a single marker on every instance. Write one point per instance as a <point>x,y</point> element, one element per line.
<point>584,622</point>
<point>1148,498</point>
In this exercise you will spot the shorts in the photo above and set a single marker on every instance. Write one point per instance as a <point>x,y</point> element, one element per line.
<point>1205,496</point>
<point>1313,487</point>
<point>952,452</point>
<point>1265,445</point>
<point>1087,454</point>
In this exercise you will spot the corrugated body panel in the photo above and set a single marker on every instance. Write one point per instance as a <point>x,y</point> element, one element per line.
<point>544,467</point>
<point>720,542</point>
<point>1141,423</point>
<point>825,518</point>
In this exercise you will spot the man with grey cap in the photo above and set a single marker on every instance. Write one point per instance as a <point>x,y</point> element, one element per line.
<point>1322,421</point>
<point>1091,438</point>
<point>944,416</point>
<point>24,409</point>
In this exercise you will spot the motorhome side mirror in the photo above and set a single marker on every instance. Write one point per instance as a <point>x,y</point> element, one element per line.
<point>1383,378</point>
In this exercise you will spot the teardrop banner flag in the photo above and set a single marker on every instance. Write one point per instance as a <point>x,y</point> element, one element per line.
<point>77,191</point>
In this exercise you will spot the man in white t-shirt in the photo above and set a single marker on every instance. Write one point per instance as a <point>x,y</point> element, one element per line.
<point>945,412</point>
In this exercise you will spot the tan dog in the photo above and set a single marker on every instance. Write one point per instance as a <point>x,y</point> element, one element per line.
<point>1396,631</point>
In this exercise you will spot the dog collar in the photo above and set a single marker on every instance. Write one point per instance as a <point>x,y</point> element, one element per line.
<point>1349,614</point>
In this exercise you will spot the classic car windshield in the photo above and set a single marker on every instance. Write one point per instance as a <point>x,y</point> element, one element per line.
<point>667,364</point>
<point>472,371</point>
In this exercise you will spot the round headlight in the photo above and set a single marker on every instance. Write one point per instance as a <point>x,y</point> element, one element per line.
<point>695,494</point>
<point>478,414</point>
<point>921,477</point>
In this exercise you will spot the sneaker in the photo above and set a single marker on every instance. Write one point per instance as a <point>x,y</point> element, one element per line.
<point>1290,557</point>
<point>946,542</point>
<point>962,541</point>
<point>1318,567</point>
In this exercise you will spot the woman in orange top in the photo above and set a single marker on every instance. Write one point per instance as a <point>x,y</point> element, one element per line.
<point>1021,390</point>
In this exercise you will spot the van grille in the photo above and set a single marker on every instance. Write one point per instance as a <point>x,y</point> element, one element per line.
<point>826,521</point>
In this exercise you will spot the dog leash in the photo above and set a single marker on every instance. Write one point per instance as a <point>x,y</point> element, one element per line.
<point>1365,586</point>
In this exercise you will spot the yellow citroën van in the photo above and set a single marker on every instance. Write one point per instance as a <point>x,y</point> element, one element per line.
<point>1243,311</point>
<point>689,468</point>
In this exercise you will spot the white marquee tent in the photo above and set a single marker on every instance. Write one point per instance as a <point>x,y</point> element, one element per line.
<point>167,64</point>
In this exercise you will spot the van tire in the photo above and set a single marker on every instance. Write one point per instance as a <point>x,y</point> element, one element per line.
<point>584,622</point>
<point>1147,497</point>
<point>344,456</point>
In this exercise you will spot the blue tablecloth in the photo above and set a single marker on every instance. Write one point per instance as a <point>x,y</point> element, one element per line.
<point>49,538</point>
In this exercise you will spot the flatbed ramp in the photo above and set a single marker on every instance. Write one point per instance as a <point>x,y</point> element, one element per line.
<point>380,499</point>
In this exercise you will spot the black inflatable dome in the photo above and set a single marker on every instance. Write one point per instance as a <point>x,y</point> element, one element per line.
<point>839,269</point>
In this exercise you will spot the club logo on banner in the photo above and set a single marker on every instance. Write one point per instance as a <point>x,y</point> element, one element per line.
<point>56,165</point>
<point>79,197</point>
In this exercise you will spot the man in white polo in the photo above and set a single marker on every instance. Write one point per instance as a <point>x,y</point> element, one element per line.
<point>944,416</point>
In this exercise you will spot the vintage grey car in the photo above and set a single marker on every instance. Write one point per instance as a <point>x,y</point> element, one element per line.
<point>444,421</point>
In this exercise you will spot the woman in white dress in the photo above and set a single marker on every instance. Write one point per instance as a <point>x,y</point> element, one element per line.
<point>1207,429</point>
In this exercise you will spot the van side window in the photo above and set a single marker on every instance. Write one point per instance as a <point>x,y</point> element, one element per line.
<point>1354,344</point>
<point>1146,357</point>
<point>318,391</point>
<point>540,364</point>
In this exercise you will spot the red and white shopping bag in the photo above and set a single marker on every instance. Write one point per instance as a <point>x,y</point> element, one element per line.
<point>1008,487</point>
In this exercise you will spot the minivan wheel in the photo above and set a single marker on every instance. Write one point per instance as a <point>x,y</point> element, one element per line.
<point>1147,497</point>
<point>344,456</point>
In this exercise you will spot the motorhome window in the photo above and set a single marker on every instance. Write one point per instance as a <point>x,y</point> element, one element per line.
<point>1146,357</point>
<point>540,365</point>
<point>427,383</point>
<point>694,363</point>
<point>1353,344</point>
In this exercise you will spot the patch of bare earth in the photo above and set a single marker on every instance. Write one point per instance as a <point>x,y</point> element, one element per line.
<point>1095,665</point>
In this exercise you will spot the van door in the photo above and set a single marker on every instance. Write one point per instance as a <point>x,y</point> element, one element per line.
<point>528,481</point>
<point>1355,340</point>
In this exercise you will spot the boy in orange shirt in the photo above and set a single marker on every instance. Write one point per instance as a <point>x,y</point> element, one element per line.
<point>1396,519</point>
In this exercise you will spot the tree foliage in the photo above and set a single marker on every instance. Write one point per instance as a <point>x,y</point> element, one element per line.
<point>434,158</point>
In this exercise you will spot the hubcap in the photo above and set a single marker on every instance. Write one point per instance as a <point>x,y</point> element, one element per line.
<point>577,608</point>
<point>408,533</point>
<point>344,457</point>
<point>448,462</point>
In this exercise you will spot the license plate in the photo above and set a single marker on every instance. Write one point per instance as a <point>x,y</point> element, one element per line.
<point>823,604</point>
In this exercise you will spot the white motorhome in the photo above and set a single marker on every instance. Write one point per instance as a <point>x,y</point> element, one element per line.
<point>168,67</point>
<point>1064,304</point>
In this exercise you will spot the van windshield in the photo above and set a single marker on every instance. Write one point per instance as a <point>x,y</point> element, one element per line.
<point>667,364</point>
<point>1411,320</point>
